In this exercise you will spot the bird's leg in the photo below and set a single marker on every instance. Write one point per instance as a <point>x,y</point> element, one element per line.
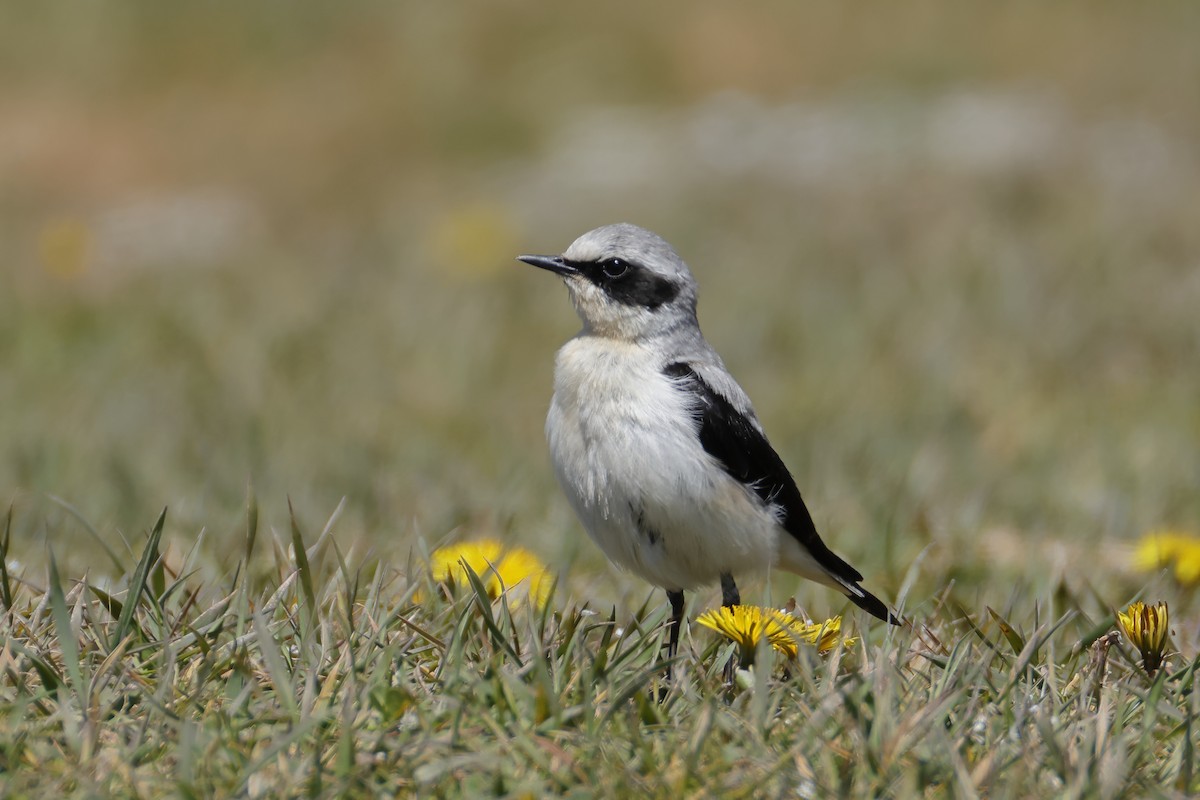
<point>730,597</point>
<point>729,591</point>
<point>676,599</point>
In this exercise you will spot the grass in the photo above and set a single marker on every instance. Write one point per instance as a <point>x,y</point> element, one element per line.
<point>949,251</point>
<point>310,672</point>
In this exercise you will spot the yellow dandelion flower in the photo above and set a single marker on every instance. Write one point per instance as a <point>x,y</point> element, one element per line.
<point>1175,549</point>
<point>749,625</point>
<point>448,564</point>
<point>1187,561</point>
<point>1157,549</point>
<point>825,635</point>
<point>518,565</point>
<point>501,569</point>
<point>1146,628</point>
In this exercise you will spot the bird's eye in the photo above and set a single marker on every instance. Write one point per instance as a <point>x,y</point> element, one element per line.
<point>615,267</point>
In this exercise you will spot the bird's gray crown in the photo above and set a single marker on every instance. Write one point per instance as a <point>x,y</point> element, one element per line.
<point>638,246</point>
<point>625,281</point>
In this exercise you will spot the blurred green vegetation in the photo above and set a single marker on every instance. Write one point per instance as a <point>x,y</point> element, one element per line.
<point>950,249</point>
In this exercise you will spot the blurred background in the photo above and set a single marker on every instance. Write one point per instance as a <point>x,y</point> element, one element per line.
<point>952,250</point>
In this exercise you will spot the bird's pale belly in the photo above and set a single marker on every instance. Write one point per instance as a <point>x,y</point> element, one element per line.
<point>628,456</point>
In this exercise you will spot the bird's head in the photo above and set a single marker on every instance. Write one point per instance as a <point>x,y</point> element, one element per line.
<point>626,282</point>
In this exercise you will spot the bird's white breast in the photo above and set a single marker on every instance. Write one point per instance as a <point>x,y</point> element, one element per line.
<point>626,450</point>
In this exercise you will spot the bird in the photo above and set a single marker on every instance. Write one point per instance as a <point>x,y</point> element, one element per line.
<point>656,446</point>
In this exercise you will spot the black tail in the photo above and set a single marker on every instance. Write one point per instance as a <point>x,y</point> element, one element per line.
<point>873,606</point>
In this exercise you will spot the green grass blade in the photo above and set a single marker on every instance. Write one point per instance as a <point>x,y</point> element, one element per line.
<point>68,642</point>
<point>111,604</point>
<point>5,585</point>
<point>281,678</point>
<point>137,583</point>
<point>51,678</point>
<point>306,578</point>
<point>1187,758</point>
<point>1015,640</point>
<point>91,531</point>
<point>484,603</point>
<point>251,522</point>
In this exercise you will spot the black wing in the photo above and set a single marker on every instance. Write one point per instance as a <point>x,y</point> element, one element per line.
<point>733,439</point>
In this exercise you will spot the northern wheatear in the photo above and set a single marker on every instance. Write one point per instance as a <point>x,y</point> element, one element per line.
<point>656,445</point>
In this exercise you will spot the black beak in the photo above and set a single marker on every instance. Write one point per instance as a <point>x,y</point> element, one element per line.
<point>555,264</point>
